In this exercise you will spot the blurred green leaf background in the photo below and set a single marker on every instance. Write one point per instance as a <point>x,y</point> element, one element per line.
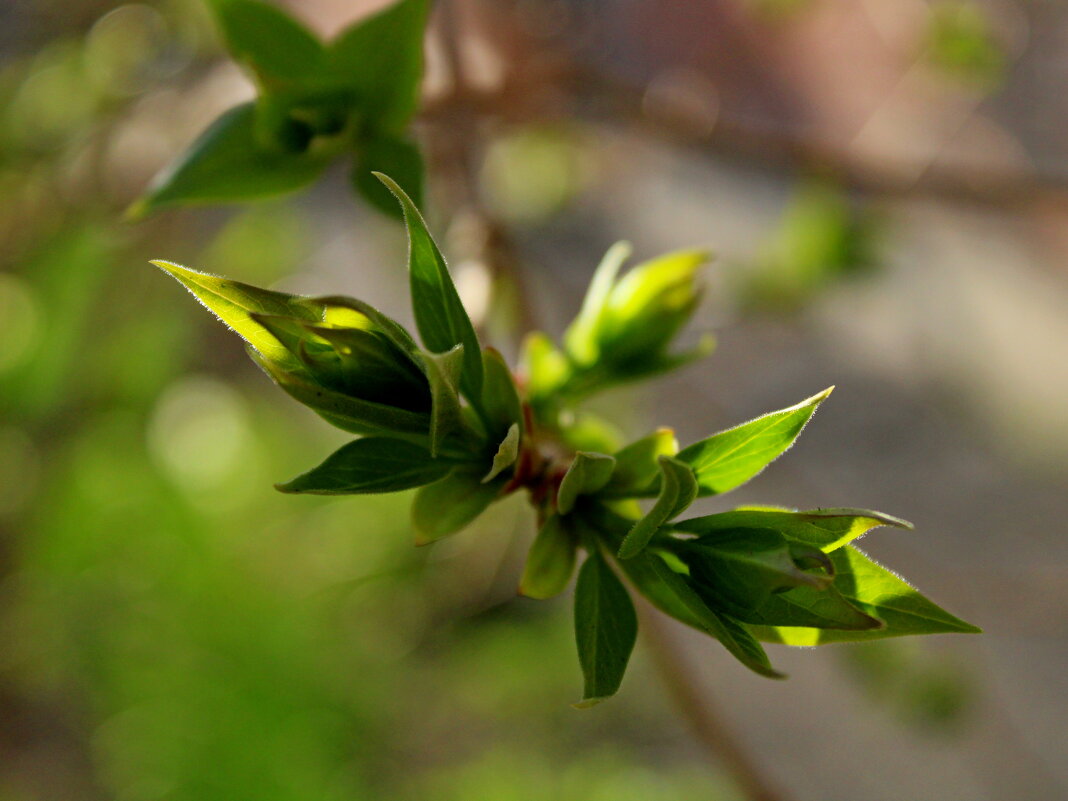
<point>172,628</point>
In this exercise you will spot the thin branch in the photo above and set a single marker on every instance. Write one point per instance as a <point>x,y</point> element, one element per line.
<point>697,708</point>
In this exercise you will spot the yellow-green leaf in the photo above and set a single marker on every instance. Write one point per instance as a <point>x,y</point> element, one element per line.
<point>730,458</point>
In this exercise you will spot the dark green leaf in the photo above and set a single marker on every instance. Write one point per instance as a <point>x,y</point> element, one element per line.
<point>826,529</point>
<point>678,488</point>
<point>740,568</point>
<point>605,629</point>
<point>730,458</point>
<point>507,453</point>
<point>380,60</point>
<point>550,562</point>
<point>396,157</point>
<point>371,464</point>
<point>234,303</point>
<point>228,164</point>
<point>448,505</point>
<point>823,608</point>
<point>877,592</point>
<point>439,315</point>
<point>277,49</point>
<point>734,636</point>
<point>637,468</point>
<point>446,416</point>
<point>371,367</point>
<point>347,413</point>
<point>587,474</point>
<point>500,398</point>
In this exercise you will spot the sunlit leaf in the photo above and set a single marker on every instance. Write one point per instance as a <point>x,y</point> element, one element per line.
<point>550,562</point>
<point>339,310</point>
<point>605,629</point>
<point>826,529</point>
<point>228,164</point>
<point>587,473</point>
<point>877,592</point>
<point>648,306</point>
<point>234,303</point>
<point>581,336</point>
<point>730,458</point>
<point>371,464</point>
<point>439,315</point>
<point>678,488</point>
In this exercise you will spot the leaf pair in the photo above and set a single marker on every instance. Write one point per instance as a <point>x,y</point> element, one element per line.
<point>316,101</point>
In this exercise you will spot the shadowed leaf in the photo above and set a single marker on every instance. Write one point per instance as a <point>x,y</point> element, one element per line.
<point>371,464</point>
<point>678,488</point>
<point>605,629</point>
<point>550,562</point>
<point>227,164</point>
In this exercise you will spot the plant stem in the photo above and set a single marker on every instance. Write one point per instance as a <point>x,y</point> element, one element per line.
<point>694,704</point>
<point>457,135</point>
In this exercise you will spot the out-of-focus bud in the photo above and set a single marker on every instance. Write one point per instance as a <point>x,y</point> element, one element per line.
<point>627,324</point>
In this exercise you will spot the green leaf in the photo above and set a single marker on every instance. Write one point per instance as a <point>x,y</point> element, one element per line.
<point>730,458</point>
<point>500,398</point>
<point>446,415</point>
<point>371,367</point>
<point>826,529</point>
<point>339,310</point>
<point>393,156</point>
<point>546,369</point>
<point>550,562</point>
<point>235,304</point>
<point>678,489</point>
<point>439,315</point>
<point>740,568</point>
<point>277,49</point>
<point>507,453</point>
<point>346,412</point>
<point>585,431</point>
<point>227,164</point>
<point>648,306</point>
<point>823,608</point>
<point>371,464</point>
<point>734,636</point>
<point>587,474</point>
<point>879,593</point>
<point>380,60</point>
<point>605,629</point>
<point>448,505</point>
<point>581,339</point>
<point>637,466</point>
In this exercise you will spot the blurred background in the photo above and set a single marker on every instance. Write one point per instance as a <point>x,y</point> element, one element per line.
<point>885,185</point>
